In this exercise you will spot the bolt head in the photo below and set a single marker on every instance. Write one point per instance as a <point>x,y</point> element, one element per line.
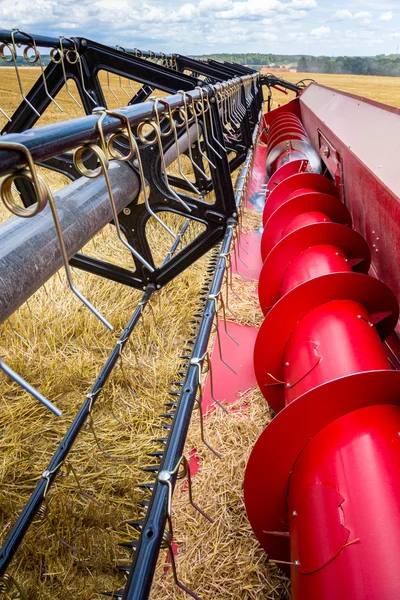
<point>127,211</point>
<point>294,513</point>
<point>136,162</point>
<point>84,42</point>
<point>164,476</point>
<point>296,563</point>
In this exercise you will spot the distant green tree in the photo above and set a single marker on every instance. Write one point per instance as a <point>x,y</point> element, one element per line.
<point>302,65</point>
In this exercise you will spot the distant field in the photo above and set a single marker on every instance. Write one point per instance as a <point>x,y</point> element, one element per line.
<point>382,89</point>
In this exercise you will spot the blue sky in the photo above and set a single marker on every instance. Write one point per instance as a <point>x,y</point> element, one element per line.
<point>352,27</point>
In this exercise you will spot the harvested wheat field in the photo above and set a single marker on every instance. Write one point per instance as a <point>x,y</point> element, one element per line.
<point>71,552</point>
<point>382,89</point>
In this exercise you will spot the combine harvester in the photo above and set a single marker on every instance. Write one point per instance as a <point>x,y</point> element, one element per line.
<point>322,484</point>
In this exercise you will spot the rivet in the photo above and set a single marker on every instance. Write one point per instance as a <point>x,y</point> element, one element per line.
<point>294,513</point>
<point>286,364</point>
<point>164,476</point>
<point>127,211</point>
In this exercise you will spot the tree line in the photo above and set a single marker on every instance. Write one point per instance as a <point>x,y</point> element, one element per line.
<point>381,64</point>
<point>254,58</point>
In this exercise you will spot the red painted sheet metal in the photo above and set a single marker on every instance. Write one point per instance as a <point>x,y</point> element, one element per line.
<point>347,536</point>
<point>226,384</point>
<point>362,140</point>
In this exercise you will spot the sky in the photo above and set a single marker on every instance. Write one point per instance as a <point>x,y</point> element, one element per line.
<point>351,27</point>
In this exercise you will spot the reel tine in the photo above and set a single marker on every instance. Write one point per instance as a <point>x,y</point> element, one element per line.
<point>60,60</point>
<point>165,478</point>
<point>103,170</point>
<point>71,469</point>
<point>204,111</point>
<point>139,164</point>
<point>215,297</point>
<point>158,135</point>
<point>9,585</point>
<point>210,372</point>
<point>122,87</point>
<point>29,388</point>
<point>186,120</point>
<point>172,123</point>
<point>110,88</point>
<point>44,514</point>
<point>16,332</point>
<point>197,362</point>
<point>38,57</point>
<point>67,268</point>
<point>200,131</point>
<point>13,50</point>
<point>92,429</point>
<point>9,119</point>
<point>73,57</point>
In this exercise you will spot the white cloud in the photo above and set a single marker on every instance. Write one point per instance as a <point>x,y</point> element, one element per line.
<point>320,32</point>
<point>270,37</point>
<point>386,16</point>
<point>250,8</point>
<point>213,6</point>
<point>303,4</point>
<point>342,15</point>
<point>186,12</point>
<point>363,17</point>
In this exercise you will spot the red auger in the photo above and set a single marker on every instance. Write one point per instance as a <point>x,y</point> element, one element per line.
<point>322,486</point>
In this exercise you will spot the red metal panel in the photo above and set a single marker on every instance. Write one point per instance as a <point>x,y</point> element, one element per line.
<point>335,234</point>
<point>285,213</point>
<point>366,135</point>
<point>357,455</point>
<point>274,455</point>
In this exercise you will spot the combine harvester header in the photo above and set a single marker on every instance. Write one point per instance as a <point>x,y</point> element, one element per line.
<point>322,486</point>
